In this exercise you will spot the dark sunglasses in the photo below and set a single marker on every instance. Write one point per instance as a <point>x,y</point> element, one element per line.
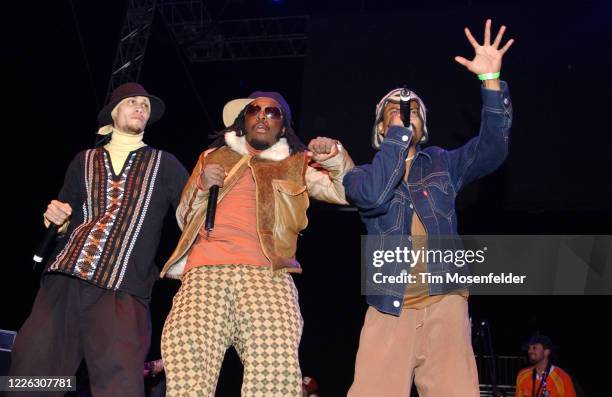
<point>271,112</point>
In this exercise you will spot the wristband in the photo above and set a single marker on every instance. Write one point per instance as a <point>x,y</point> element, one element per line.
<point>488,76</point>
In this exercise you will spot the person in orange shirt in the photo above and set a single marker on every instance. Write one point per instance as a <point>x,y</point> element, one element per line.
<point>542,379</point>
<point>236,284</point>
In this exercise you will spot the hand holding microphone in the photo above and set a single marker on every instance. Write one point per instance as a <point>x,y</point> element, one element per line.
<point>57,214</point>
<point>212,179</point>
<point>396,119</point>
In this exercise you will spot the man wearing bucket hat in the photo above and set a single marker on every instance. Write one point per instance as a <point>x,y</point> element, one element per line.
<point>236,287</point>
<point>542,378</point>
<point>419,330</point>
<point>95,290</point>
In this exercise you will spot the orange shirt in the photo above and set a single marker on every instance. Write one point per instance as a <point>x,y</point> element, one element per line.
<point>234,239</point>
<point>558,383</point>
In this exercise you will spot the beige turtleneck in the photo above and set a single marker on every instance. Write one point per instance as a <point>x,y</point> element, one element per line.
<point>120,146</point>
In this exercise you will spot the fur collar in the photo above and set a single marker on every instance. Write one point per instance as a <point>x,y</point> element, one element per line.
<point>277,152</point>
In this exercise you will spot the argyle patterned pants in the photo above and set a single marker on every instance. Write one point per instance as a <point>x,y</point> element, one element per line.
<point>243,306</point>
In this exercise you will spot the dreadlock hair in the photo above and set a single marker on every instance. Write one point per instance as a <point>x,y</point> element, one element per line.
<point>218,138</point>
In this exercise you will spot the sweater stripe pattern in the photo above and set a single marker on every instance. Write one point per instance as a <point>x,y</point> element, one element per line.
<point>99,249</point>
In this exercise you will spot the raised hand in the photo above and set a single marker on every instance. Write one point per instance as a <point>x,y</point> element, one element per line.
<point>322,148</point>
<point>488,57</point>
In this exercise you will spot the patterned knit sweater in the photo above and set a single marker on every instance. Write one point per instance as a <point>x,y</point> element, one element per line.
<point>117,218</point>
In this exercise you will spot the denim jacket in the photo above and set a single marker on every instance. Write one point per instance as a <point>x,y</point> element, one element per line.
<point>386,202</point>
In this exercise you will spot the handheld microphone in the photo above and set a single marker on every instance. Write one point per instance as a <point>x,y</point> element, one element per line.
<point>42,248</point>
<point>405,106</point>
<point>211,209</point>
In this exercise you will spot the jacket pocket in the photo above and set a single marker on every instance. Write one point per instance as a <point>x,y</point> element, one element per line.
<point>290,204</point>
<point>441,194</point>
<point>392,221</point>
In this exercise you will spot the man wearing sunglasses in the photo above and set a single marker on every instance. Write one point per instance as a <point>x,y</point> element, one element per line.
<point>421,330</point>
<point>236,287</point>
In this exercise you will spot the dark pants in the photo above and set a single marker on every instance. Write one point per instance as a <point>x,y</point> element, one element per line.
<point>71,320</point>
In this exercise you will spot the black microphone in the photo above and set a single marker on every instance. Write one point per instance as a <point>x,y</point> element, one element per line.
<point>42,248</point>
<point>211,209</point>
<point>405,106</point>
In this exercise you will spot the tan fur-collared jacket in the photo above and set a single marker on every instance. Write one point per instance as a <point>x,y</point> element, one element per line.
<point>283,183</point>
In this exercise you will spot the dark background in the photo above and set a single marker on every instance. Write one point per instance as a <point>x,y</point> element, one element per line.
<point>57,58</point>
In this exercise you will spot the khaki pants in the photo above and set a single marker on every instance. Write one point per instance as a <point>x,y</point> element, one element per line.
<point>233,305</point>
<point>432,346</point>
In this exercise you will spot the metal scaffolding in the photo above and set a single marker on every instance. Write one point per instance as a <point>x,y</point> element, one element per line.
<point>245,39</point>
<point>207,39</point>
<point>202,38</point>
<point>187,19</point>
<point>132,43</point>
